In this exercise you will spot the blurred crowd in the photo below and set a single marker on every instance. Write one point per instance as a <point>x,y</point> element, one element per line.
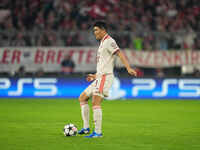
<point>136,24</point>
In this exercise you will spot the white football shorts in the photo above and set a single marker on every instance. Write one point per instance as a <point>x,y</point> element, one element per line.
<point>100,86</point>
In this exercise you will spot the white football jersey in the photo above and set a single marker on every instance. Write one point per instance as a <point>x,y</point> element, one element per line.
<point>105,55</point>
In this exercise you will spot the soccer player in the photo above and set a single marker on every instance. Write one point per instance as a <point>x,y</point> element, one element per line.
<point>102,80</point>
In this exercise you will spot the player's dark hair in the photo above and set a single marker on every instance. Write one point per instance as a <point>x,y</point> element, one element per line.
<point>100,24</point>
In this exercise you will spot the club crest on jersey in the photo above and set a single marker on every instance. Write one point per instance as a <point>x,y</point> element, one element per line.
<point>114,45</point>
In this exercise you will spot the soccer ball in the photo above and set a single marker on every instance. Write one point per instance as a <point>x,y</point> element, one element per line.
<point>70,130</point>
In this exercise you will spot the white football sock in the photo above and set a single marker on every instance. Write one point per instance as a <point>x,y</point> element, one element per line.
<point>85,115</point>
<point>97,116</point>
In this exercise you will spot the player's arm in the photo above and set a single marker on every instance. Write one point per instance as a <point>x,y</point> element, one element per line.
<point>123,59</point>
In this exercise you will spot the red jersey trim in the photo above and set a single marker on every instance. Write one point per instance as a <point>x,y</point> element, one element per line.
<point>102,83</point>
<point>105,37</point>
<point>115,51</point>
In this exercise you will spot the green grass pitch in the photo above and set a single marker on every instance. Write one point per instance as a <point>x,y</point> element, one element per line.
<point>37,124</point>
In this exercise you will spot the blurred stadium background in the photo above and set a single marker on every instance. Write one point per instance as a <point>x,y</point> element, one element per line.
<point>159,37</point>
<point>47,48</point>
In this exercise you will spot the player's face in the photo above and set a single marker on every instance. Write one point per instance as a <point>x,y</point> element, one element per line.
<point>98,33</point>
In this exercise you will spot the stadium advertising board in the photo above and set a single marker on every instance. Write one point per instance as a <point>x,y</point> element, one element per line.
<point>49,58</point>
<point>142,88</point>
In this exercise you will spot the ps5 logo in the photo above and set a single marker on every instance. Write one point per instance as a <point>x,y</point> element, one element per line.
<point>183,87</point>
<point>42,86</point>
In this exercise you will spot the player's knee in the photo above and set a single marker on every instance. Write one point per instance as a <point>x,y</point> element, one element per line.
<point>83,97</point>
<point>96,101</point>
<point>80,99</point>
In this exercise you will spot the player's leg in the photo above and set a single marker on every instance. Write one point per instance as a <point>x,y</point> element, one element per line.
<point>97,113</point>
<point>97,116</point>
<point>101,89</point>
<point>83,99</point>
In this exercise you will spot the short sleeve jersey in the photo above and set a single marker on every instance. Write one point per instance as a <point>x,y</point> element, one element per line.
<point>105,55</point>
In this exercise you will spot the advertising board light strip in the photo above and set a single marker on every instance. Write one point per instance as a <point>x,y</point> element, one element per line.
<point>123,88</point>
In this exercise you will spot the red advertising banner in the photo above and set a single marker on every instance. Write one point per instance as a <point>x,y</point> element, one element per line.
<point>163,58</point>
<point>50,58</point>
